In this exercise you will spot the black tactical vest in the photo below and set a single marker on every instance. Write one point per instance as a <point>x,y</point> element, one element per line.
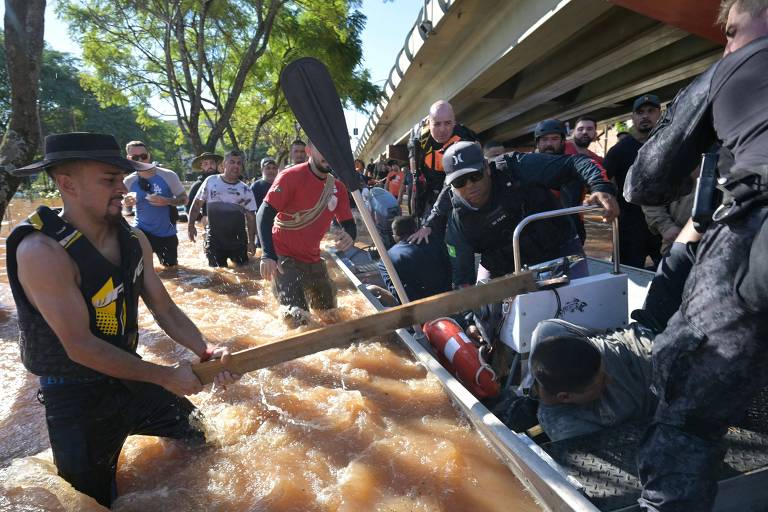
<point>111,294</point>
<point>489,230</point>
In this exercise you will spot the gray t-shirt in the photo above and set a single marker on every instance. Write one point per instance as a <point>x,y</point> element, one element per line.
<point>628,396</point>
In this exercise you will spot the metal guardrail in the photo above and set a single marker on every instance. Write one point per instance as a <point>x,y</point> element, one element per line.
<point>397,69</point>
<point>560,213</point>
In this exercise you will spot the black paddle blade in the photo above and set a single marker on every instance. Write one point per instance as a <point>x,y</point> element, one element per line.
<point>312,96</point>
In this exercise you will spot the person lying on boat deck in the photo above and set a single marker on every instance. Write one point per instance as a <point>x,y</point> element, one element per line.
<point>424,269</point>
<point>76,277</point>
<point>292,220</point>
<point>611,383</point>
<point>485,207</point>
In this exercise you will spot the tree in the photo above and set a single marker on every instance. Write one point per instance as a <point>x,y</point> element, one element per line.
<point>327,31</point>
<point>195,53</point>
<point>64,106</point>
<point>24,24</point>
<point>217,62</point>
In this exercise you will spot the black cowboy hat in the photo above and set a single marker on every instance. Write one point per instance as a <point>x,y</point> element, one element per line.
<point>61,147</point>
<point>204,156</point>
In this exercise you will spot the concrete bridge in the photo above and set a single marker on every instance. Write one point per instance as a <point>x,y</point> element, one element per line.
<point>507,64</point>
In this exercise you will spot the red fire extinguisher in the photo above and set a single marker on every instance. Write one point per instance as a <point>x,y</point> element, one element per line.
<point>461,357</point>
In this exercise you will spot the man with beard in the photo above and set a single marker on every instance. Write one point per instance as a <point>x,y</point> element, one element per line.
<point>208,165</point>
<point>76,276</point>
<point>636,242</point>
<point>292,220</point>
<point>298,152</point>
<point>550,138</point>
<point>231,229</point>
<point>430,175</point>
<point>712,358</point>
<point>584,134</point>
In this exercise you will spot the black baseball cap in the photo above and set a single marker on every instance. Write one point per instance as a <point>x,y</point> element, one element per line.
<point>646,99</point>
<point>462,157</point>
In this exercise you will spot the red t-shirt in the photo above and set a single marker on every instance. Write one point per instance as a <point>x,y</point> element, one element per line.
<point>296,189</point>
<point>395,181</point>
<point>571,149</point>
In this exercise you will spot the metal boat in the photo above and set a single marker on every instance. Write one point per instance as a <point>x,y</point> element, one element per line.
<point>594,472</point>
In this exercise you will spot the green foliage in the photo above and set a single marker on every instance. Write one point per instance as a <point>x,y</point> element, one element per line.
<point>217,62</point>
<point>65,105</point>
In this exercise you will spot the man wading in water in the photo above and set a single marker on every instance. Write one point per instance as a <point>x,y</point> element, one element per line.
<point>292,220</point>
<point>78,318</point>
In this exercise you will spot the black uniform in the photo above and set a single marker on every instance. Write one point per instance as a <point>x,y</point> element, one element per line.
<point>713,356</point>
<point>512,173</point>
<point>89,414</point>
<point>635,239</point>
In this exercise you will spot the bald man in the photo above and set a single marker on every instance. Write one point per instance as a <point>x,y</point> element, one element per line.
<point>443,130</point>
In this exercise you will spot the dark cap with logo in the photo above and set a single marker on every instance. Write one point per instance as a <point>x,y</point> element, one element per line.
<point>646,99</point>
<point>462,157</point>
<point>62,147</point>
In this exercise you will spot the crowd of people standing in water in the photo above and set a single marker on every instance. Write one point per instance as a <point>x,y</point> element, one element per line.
<point>78,332</point>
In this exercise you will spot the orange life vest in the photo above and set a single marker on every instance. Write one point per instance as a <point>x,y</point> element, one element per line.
<point>433,159</point>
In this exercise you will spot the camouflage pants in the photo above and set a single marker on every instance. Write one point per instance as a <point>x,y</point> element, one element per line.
<point>708,364</point>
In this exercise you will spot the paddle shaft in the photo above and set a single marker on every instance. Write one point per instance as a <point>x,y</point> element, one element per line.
<point>377,324</point>
<point>380,247</point>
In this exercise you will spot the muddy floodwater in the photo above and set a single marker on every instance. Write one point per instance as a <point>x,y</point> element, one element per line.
<point>363,428</point>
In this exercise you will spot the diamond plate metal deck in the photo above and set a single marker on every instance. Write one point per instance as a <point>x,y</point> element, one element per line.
<point>604,462</point>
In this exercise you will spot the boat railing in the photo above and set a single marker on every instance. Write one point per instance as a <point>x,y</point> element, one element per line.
<point>560,213</point>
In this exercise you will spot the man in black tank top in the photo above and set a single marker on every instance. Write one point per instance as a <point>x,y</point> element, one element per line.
<point>78,331</point>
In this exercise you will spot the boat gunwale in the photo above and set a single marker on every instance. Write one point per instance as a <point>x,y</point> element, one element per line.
<point>537,472</point>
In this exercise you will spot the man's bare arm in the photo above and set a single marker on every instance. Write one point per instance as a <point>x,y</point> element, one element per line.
<point>63,307</point>
<point>167,314</point>
<point>172,319</point>
<point>197,205</point>
<point>250,223</point>
<point>179,200</point>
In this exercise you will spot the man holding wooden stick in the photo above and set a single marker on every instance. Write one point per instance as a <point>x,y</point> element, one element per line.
<point>292,220</point>
<point>78,319</point>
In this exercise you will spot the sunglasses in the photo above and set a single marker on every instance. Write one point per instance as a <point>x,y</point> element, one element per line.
<point>462,180</point>
<point>145,185</point>
<point>142,156</point>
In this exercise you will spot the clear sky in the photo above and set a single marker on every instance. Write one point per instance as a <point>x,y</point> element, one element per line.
<point>388,23</point>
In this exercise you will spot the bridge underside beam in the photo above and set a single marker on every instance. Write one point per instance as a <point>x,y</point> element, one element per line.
<point>507,64</point>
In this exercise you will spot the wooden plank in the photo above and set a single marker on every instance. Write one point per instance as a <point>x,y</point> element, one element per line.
<point>383,322</point>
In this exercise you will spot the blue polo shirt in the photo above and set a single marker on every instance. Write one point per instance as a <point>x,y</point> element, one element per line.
<point>155,220</point>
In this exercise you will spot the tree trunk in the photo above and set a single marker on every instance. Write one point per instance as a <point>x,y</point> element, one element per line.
<point>24,24</point>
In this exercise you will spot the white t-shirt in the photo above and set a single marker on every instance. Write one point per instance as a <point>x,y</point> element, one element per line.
<point>215,190</point>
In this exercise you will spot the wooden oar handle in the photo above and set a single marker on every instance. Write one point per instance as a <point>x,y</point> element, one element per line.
<point>208,370</point>
<point>383,322</point>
